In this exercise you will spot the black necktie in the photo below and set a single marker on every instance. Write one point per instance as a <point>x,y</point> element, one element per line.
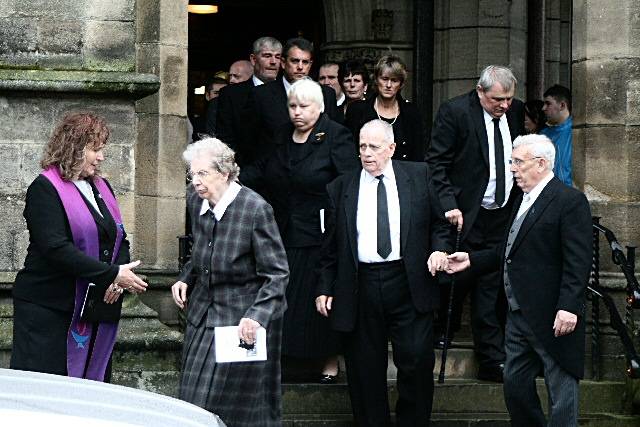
<point>384,239</point>
<point>499,151</point>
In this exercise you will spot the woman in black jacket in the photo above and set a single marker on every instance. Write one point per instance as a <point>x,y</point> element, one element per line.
<point>77,251</point>
<point>390,74</point>
<point>309,153</point>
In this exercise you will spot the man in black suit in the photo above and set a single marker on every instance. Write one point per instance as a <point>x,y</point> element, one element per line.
<point>381,226</point>
<point>469,165</point>
<point>545,262</point>
<point>269,102</point>
<point>236,123</point>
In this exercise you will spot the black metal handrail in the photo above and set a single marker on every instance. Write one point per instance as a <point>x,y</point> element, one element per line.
<point>627,266</point>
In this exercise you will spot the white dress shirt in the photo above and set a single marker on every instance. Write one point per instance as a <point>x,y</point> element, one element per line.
<point>530,198</point>
<point>86,190</point>
<point>340,101</point>
<point>220,208</point>
<point>489,199</point>
<point>367,215</point>
<point>256,81</point>
<point>286,84</point>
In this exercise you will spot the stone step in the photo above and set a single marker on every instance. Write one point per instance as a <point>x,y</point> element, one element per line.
<point>454,397</point>
<point>460,420</point>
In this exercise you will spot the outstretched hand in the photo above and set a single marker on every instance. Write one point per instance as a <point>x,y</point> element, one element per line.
<point>457,262</point>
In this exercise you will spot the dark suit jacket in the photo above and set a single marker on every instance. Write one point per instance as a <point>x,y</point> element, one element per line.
<point>459,154</point>
<point>269,105</point>
<point>422,231</point>
<point>297,191</point>
<point>236,125</point>
<point>408,131</point>
<point>53,263</point>
<point>548,267</point>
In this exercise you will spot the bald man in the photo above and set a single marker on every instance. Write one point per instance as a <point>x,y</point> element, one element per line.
<point>240,71</point>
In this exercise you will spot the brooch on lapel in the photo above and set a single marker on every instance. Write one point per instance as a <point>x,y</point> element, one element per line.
<point>320,137</point>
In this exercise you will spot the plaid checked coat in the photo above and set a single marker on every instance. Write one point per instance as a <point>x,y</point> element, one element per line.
<point>238,269</point>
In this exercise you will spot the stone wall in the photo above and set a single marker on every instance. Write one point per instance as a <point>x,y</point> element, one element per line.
<point>471,34</point>
<point>110,57</point>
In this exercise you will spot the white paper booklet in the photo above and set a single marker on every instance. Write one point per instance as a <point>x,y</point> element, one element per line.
<point>227,350</point>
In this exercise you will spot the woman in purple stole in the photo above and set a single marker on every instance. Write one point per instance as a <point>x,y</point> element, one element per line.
<point>76,241</point>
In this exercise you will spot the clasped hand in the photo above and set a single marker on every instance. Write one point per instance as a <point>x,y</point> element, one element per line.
<point>437,262</point>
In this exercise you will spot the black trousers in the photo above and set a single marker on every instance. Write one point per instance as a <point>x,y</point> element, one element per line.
<point>386,312</point>
<point>488,301</point>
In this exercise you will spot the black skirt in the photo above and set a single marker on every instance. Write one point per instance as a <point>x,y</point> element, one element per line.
<point>306,334</point>
<point>39,338</point>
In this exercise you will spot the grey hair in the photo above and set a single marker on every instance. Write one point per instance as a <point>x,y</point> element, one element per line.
<point>221,158</point>
<point>266,43</point>
<point>538,146</point>
<point>497,74</point>
<point>381,126</point>
<point>306,90</point>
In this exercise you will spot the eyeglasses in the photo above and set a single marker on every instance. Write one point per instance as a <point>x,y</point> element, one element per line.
<point>519,162</point>
<point>374,148</point>
<point>201,174</point>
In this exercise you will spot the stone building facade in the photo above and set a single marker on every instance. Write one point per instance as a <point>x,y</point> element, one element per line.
<point>127,60</point>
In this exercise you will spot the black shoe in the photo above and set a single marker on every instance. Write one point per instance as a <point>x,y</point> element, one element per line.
<point>327,379</point>
<point>491,373</point>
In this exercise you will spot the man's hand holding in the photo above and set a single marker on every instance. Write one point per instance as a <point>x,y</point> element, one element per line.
<point>454,216</point>
<point>457,262</point>
<point>437,262</point>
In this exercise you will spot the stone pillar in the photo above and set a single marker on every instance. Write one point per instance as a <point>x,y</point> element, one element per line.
<point>535,49</point>
<point>606,110</point>
<point>161,47</point>
<point>471,34</point>
<point>606,135</point>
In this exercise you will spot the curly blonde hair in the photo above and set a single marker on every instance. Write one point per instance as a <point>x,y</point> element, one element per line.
<point>73,134</point>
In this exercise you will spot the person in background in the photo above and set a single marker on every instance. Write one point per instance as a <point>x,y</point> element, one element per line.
<point>237,275</point>
<point>240,71</point>
<point>76,241</point>
<point>310,152</point>
<point>269,101</point>
<point>236,123</point>
<point>469,165</point>
<point>557,108</point>
<point>390,74</point>
<point>534,118</point>
<point>328,76</point>
<point>354,78</point>
<point>219,81</point>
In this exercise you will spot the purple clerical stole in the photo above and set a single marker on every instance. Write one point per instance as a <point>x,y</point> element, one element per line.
<point>84,230</point>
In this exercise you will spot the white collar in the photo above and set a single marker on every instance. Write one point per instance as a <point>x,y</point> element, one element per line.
<point>535,191</point>
<point>286,84</point>
<point>221,207</point>
<point>488,118</point>
<point>387,172</point>
<point>256,81</point>
<point>340,101</point>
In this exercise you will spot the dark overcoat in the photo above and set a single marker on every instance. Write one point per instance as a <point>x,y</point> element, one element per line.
<point>238,269</point>
<point>548,267</point>
<point>458,156</point>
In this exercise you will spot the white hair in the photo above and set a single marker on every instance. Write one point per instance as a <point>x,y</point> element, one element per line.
<point>306,90</point>
<point>497,74</point>
<point>381,126</point>
<point>538,146</point>
<point>221,158</point>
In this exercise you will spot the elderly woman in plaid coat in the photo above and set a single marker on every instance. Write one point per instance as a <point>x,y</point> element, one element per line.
<point>237,276</point>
